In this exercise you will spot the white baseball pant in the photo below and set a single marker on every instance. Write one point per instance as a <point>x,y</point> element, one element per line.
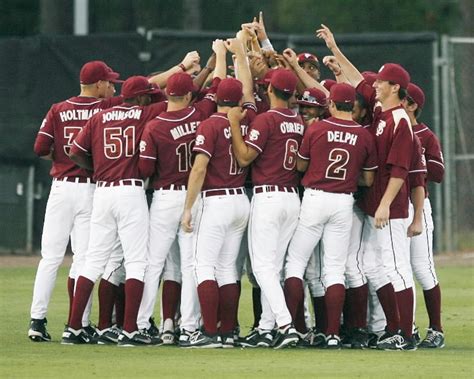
<point>68,214</point>
<point>273,219</point>
<point>165,216</point>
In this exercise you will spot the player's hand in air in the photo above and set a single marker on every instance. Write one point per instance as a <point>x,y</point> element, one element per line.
<point>190,59</point>
<point>291,57</point>
<point>326,34</point>
<point>258,26</point>
<point>331,62</point>
<point>382,215</point>
<point>234,45</point>
<point>219,47</point>
<point>186,221</point>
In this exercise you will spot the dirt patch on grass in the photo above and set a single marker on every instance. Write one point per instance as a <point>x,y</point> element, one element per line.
<point>447,259</point>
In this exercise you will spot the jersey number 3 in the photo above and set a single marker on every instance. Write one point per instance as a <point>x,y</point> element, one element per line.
<point>339,158</point>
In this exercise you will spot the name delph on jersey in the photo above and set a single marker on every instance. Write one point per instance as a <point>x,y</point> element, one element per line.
<point>344,137</point>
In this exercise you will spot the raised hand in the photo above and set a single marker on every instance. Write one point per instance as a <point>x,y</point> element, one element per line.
<point>234,45</point>
<point>191,58</point>
<point>331,62</point>
<point>219,47</point>
<point>326,34</point>
<point>235,115</point>
<point>291,57</point>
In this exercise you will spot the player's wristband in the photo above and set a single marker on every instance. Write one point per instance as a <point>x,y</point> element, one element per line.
<point>182,67</point>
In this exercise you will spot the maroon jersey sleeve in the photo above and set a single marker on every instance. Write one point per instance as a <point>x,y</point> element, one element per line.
<point>399,157</point>
<point>207,106</point>
<point>45,137</point>
<point>148,152</point>
<point>434,159</point>
<point>251,111</point>
<point>82,143</point>
<point>417,174</point>
<point>304,150</point>
<point>259,132</point>
<point>371,163</point>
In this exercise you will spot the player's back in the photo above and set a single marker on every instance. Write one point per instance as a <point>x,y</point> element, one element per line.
<point>338,151</point>
<point>214,139</point>
<point>169,139</point>
<point>276,135</point>
<point>62,124</point>
<point>115,134</point>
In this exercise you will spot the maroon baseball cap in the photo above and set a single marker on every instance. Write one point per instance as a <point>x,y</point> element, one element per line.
<point>392,72</point>
<point>369,76</point>
<point>138,85</point>
<point>267,77</point>
<point>313,97</point>
<point>417,94</point>
<point>94,71</point>
<point>284,80</point>
<point>179,84</point>
<point>342,93</point>
<point>328,83</point>
<point>229,91</point>
<point>308,57</point>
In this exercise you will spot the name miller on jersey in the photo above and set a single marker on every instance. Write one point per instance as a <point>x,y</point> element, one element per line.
<point>118,115</point>
<point>185,129</point>
<point>344,137</point>
<point>78,114</point>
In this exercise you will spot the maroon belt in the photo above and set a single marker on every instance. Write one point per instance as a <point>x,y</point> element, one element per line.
<point>173,187</point>
<point>262,189</point>
<point>223,192</point>
<point>75,179</point>
<point>123,182</point>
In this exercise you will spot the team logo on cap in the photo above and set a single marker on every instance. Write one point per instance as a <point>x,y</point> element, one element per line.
<point>200,140</point>
<point>142,146</point>
<point>253,135</point>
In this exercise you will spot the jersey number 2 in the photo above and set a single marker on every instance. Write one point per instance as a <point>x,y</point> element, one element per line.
<point>339,158</point>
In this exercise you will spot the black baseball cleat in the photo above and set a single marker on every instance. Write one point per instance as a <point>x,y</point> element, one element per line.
<point>434,340</point>
<point>138,338</point>
<point>37,331</point>
<point>358,338</point>
<point>333,342</point>
<point>391,341</point>
<point>204,341</point>
<point>108,336</point>
<point>76,337</point>
<point>153,329</point>
<point>91,330</point>
<point>285,337</point>
<point>228,340</point>
<point>257,338</point>
<point>184,337</point>
<point>410,344</point>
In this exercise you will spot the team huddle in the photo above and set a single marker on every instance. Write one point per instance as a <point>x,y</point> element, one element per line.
<point>317,190</point>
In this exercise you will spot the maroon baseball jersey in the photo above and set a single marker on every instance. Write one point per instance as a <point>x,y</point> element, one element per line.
<point>62,124</point>
<point>213,138</point>
<point>432,151</point>
<point>337,151</point>
<point>417,173</point>
<point>276,135</point>
<point>112,137</point>
<point>167,145</point>
<point>394,141</point>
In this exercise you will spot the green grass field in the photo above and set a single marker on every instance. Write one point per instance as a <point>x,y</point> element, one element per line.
<point>19,357</point>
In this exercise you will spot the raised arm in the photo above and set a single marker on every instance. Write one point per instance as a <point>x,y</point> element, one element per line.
<point>350,71</point>
<point>243,69</point>
<point>243,153</point>
<point>303,76</point>
<point>190,62</point>
<point>219,48</point>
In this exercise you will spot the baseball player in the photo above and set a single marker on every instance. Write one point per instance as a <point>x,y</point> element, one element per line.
<point>312,105</point>
<point>166,153</point>
<point>120,209</point>
<point>310,63</point>
<point>333,153</point>
<point>70,201</point>
<point>218,234</point>
<point>272,144</point>
<point>421,247</point>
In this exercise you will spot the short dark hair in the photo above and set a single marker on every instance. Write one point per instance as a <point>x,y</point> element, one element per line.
<point>344,107</point>
<point>418,110</point>
<point>361,100</point>
<point>402,92</point>
<point>282,95</point>
<point>227,104</point>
